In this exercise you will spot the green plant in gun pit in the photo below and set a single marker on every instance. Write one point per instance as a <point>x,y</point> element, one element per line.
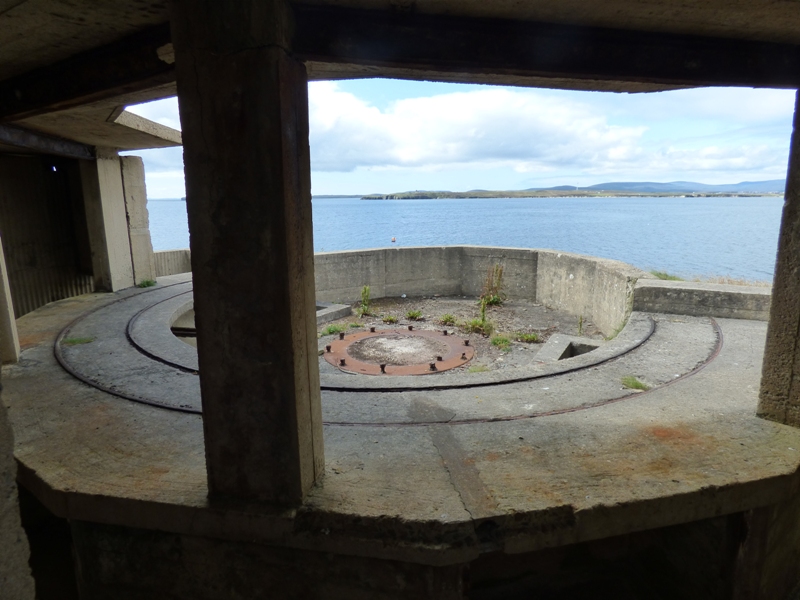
<point>77,341</point>
<point>633,383</point>
<point>333,330</point>
<point>501,342</point>
<point>447,319</point>
<point>146,283</point>
<point>493,294</point>
<point>414,315</point>
<point>528,338</point>
<point>363,310</point>
<point>390,319</point>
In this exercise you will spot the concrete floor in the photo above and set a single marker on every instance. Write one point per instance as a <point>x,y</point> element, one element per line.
<point>434,476</point>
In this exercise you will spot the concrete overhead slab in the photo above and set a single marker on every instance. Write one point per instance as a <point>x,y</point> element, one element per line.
<point>428,492</point>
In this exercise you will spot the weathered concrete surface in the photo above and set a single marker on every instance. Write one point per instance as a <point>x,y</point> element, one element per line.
<point>104,200</point>
<point>248,189</point>
<point>144,264</point>
<point>519,270</point>
<point>16,582</point>
<point>686,451</point>
<point>128,564</point>
<point>598,289</point>
<point>9,340</point>
<point>779,399</point>
<point>172,262</point>
<point>702,299</point>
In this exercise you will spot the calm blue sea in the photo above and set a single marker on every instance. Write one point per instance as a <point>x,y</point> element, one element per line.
<point>690,237</point>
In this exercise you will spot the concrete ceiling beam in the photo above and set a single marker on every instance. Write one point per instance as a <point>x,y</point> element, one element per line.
<point>20,137</point>
<point>477,47</point>
<point>141,61</point>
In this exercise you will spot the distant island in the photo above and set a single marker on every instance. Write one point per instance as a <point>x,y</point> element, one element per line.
<point>612,189</point>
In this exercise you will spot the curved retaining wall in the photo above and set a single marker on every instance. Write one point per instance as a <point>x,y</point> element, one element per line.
<point>603,291</point>
<point>598,289</point>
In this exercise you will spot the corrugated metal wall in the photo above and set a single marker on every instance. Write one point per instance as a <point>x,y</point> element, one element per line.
<point>43,229</point>
<point>172,262</point>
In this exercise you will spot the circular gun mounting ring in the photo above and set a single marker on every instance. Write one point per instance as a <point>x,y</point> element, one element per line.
<point>398,352</point>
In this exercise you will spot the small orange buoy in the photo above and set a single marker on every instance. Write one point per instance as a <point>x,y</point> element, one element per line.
<point>394,239</point>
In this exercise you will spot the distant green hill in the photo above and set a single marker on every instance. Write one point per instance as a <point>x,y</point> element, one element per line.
<point>619,188</point>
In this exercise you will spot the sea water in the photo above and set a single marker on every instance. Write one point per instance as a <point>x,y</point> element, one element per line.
<point>688,237</point>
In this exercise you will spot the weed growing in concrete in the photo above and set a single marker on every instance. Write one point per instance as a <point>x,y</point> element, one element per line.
<point>333,329</point>
<point>501,342</point>
<point>146,283</point>
<point>633,383</point>
<point>727,280</point>
<point>76,341</point>
<point>666,276</point>
<point>493,294</point>
<point>478,326</point>
<point>390,319</point>
<point>478,369</point>
<point>447,319</point>
<point>363,310</point>
<point>414,315</point>
<point>356,325</point>
<point>528,338</point>
<point>580,325</point>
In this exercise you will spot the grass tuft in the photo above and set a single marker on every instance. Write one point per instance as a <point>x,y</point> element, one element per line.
<point>414,315</point>
<point>666,276</point>
<point>478,369</point>
<point>333,330</point>
<point>478,326</point>
<point>76,341</point>
<point>356,325</point>
<point>390,319</point>
<point>363,309</point>
<point>501,342</point>
<point>734,281</point>
<point>447,319</point>
<point>528,338</point>
<point>146,283</point>
<point>633,383</point>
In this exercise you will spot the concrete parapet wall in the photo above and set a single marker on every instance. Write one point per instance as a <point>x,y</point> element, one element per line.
<point>519,269</point>
<point>703,299</point>
<point>601,290</point>
<point>173,262</point>
<point>598,289</point>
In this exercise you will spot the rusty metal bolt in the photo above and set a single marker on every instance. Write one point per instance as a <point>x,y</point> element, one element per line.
<point>411,328</point>
<point>383,368</point>
<point>328,348</point>
<point>466,342</point>
<point>341,335</point>
<point>341,362</point>
<point>439,358</point>
<point>444,332</point>
<point>372,330</point>
<point>432,366</point>
<point>463,356</point>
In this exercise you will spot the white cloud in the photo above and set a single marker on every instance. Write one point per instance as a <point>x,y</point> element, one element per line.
<point>525,130</point>
<point>514,137</point>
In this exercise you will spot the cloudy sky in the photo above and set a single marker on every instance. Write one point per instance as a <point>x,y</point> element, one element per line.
<point>371,136</point>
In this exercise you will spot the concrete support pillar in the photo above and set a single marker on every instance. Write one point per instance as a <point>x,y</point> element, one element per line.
<point>104,200</point>
<point>142,258</point>
<point>244,115</point>
<point>779,399</point>
<point>9,340</point>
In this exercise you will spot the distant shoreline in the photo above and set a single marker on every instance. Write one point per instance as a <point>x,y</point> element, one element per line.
<point>562,194</point>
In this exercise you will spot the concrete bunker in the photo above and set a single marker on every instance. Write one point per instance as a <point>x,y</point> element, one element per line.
<point>162,502</point>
